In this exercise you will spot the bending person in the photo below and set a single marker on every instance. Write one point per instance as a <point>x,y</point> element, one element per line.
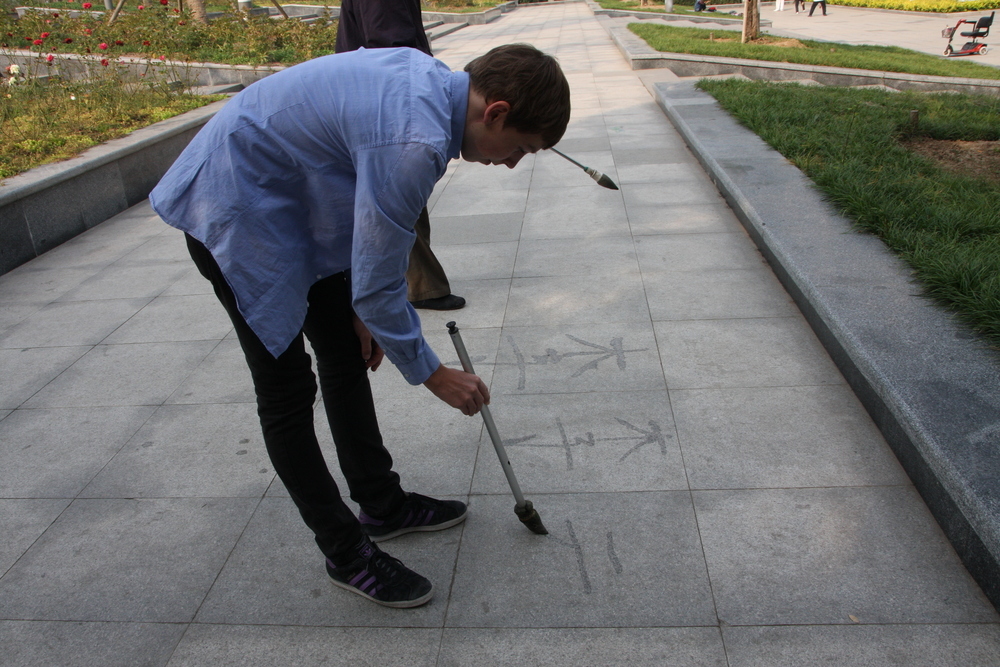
<point>298,199</point>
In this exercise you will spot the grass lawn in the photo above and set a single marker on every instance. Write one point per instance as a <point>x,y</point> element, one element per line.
<point>41,124</point>
<point>941,216</point>
<point>726,43</point>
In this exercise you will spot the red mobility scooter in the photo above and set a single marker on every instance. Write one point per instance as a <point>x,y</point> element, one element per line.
<point>980,29</point>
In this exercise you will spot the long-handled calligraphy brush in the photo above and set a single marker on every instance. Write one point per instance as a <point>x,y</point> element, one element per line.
<point>601,179</point>
<point>523,508</point>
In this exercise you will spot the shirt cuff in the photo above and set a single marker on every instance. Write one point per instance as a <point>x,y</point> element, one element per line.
<point>417,371</point>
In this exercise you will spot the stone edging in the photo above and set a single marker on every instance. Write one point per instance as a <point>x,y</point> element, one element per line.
<point>48,205</point>
<point>929,383</point>
<point>641,55</point>
<point>717,18</point>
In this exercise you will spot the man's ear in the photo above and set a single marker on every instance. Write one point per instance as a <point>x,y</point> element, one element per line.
<point>496,111</point>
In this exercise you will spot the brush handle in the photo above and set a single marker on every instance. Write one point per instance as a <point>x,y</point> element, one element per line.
<point>491,427</point>
<point>570,159</point>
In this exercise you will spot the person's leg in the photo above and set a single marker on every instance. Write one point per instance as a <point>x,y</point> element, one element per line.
<point>286,391</point>
<point>812,7</point>
<point>386,511</point>
<point>425,277</point>
<point>347,397</point>
<point>427,285</point>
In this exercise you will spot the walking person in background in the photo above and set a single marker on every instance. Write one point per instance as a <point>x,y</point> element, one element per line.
<point>375,24</point>
<point>813,7</point>
<point>779,5</point>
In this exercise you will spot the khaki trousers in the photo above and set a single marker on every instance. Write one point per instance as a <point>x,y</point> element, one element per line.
<point>425,278</point>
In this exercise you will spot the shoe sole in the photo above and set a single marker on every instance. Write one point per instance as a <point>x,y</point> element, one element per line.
<point>418,529</point>
<point>399,604</point>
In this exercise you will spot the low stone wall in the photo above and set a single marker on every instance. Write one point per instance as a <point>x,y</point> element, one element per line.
<point>46,206</point>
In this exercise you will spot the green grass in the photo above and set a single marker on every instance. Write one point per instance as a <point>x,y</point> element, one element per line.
<point>40,123</point>
<point>848,141</point>
<point>831,54</point>
<point>726,43</point>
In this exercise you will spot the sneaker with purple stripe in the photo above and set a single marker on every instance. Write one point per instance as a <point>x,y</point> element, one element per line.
<point>418,513</point>
<point>381,578</point>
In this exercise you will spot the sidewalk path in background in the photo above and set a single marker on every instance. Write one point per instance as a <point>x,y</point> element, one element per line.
<point>716,494</point>
<point>919,31</point>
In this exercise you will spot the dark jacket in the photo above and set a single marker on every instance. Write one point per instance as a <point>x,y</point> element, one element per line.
<point>374,24</point>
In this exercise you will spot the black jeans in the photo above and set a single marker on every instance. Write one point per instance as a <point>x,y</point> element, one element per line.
<point>286,392</point>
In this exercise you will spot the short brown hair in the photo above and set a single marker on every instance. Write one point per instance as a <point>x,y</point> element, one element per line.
<point>531,82</point>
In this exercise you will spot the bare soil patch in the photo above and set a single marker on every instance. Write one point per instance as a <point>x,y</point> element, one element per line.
<point>975,159</point>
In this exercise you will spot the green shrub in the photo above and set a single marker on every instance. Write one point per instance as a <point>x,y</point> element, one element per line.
<point>939,6</point>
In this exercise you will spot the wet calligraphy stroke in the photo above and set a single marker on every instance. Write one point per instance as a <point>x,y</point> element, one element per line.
<point>601,352</point>
<point>653,436</point>
<point>577,547</point>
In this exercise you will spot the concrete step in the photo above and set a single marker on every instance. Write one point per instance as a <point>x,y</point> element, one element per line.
<point>445,29</point>
<point>223,89</point>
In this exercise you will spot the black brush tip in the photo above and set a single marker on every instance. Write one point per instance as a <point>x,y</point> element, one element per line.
<point>607,182</point>
<point>529,517</point>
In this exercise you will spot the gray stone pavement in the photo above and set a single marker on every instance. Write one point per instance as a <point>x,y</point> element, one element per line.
<point>716,494</point>
<point>918,31</point>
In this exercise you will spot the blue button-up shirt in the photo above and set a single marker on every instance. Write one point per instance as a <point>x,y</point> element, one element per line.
<point>322,168</point>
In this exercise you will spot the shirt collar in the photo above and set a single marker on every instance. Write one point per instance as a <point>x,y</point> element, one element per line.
<point>459,108</point>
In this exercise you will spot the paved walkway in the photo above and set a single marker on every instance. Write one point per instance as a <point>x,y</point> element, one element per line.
<point>716,494</point>
<point>918,31</point>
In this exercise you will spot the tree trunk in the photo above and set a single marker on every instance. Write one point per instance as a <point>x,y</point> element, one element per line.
<point>668,5</point>
<point>751,20</point>
<point>197,8</point>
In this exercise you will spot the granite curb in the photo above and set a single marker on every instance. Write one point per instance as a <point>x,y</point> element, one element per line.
<point>48,205</point>
<point>929,383</point>
<point>718,18</point>
<point>642,56</point>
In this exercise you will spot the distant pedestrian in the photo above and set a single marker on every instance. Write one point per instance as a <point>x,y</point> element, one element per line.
<point>779,5</point>
<point>813,7</point>
<point>797,3</point>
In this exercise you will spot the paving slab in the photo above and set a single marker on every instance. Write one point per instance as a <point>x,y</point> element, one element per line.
<point>91,644</point>
<point>669,647</point>
<point>601,565</point>
<point>211,645</point>
<point>54,453</point>
<point>824,555</point>
<point>125,560</point>
<point>715,493</point>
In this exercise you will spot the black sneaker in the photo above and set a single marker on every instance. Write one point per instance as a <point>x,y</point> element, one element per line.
<point>418,513</point>
<point>381,578</point>
<point>446,302</point>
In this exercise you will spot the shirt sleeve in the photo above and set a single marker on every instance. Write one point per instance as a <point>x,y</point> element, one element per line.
<point>394,183</point>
